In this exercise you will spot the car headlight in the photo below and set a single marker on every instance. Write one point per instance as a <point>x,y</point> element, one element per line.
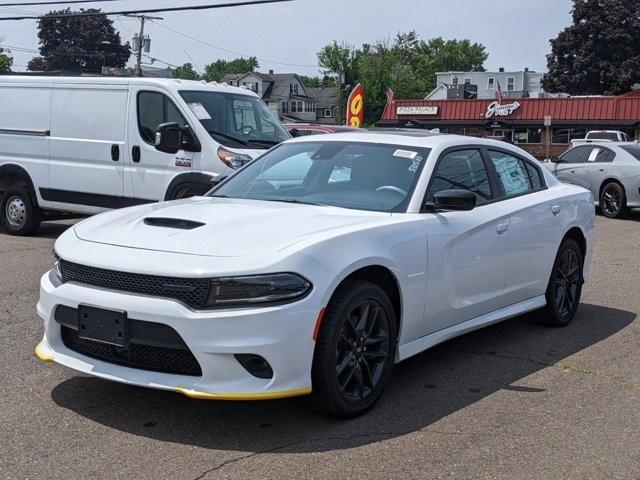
<point>233,160</point>
<point>257,289</point>
<point>57,271</point>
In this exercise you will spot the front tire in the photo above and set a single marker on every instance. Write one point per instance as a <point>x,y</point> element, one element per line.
<point>355,350</point>
<point>20,216</point>
<point>565,286</point>
<point>613,201</point>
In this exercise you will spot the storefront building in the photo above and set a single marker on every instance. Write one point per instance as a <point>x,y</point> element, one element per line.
<point>521,121</point>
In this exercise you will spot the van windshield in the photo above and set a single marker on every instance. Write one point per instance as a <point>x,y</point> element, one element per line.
<point>236,121</point>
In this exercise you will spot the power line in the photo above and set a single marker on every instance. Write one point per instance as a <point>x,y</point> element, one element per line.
<point>195,39</point>
<point>53,3</point>
<point>148,10</point>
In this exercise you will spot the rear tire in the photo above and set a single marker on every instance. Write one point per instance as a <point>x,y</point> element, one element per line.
<point>355,350</point>
<point>565,287</point>
<point>20,216</point>
<point>613,201</point>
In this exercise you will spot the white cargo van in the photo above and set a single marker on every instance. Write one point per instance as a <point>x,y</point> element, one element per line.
<point>84,145</point>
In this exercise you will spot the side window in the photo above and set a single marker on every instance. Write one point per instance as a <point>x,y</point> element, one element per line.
<point>576,155</point>
<point>463,169</point>
<point>514,174</point>
<point>155,108</point>
<point>601,155</point>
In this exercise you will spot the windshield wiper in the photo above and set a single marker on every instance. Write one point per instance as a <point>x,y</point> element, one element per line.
<point>268,143</point>
<point>228,137</point>
<point>292,200</point>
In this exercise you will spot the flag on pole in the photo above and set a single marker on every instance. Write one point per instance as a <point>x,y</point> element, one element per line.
<point>355,107</point>
<point>500,94</point>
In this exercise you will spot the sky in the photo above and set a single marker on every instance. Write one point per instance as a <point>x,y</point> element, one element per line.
<point>286,37</point>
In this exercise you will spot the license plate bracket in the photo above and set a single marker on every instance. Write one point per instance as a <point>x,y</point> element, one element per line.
<point>103,325</point>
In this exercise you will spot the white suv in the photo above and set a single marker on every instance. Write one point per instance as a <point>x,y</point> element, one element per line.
<point>84,145</point>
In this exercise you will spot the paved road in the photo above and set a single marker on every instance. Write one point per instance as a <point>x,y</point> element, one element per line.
<point>515,400</point>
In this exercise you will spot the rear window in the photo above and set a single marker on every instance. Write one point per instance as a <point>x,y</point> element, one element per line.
<point>602,136</point>
<point>634,150</point>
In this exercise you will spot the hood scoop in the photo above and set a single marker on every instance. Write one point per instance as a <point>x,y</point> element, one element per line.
<point>178,223</point>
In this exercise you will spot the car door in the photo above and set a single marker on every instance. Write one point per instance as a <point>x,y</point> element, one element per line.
<point>88,145</point>
<point>595,171</point>
<point>151,169</point>
<point>467,250</point>
<point>568,164</point>
<point>534,225</point>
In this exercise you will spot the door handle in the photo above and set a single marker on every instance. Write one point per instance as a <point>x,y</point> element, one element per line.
<point>135,154</point>
<point>115,152</point>
<point>502,228</point>
<point>556,209</point>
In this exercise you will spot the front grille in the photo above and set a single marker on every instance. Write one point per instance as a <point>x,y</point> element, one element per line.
<point>190,291</point>
<point>145,357</point>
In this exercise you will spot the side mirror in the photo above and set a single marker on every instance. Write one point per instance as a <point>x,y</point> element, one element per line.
<point>456,199</point>
<point>555,159</point>
<point>171,138</point>
<point>294,132</point>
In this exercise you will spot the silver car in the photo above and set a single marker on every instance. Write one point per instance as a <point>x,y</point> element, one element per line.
<point>610,170</point>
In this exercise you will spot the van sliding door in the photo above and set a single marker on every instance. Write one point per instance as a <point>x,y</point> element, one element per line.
<point>88,146</point>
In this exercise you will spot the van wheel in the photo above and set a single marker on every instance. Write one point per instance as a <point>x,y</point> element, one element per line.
<point>19,215</point>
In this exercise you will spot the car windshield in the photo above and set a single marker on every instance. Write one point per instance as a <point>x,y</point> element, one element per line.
<point>603,136</point>
<point>634,150</point>
<point>362,176</point>
<point>236,121</point>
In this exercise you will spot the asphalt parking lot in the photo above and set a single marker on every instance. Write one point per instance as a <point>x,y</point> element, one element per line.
<point>515,400</point>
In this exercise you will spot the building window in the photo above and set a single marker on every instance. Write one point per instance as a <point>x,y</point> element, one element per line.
<point>491,83</point>
<point>563,136</point>
<point>511,84</point>
<point>527,135</point>
<point>285,107</point>
<point>467,81</point>
<point>294,107</point>
<point>327,113</point>
<point>454,80</point>
<point>300,107</point>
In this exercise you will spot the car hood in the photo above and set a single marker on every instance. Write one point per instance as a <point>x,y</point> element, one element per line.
<point>218,227</point>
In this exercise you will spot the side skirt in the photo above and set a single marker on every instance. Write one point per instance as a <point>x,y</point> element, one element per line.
<point>90,199</point>
<point>416,346</point>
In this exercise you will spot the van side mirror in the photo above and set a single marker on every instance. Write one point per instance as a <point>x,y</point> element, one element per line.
<point>555,159</point>
<point>294,132</point>
<point>455,199</point>
<point>171,138</point>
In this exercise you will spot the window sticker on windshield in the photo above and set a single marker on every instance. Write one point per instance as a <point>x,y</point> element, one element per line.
<point>415,164</point>
<point>200,112</point>
<point>405,154</point>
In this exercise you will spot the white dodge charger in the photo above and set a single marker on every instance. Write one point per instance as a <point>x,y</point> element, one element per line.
<point>315,268</point>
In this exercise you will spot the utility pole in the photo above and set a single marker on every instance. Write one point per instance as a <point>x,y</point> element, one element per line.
<point>142,43</point>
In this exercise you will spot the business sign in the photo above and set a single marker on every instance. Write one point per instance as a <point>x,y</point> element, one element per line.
<point>417,110</point>
<point>355,107</point>
<point>547,120</point>
<point>496,110</point>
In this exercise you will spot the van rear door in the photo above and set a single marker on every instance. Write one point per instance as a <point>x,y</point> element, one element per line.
<point>88,146</point>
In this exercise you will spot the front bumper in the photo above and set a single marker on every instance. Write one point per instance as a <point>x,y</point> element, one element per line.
<point>282,335</point>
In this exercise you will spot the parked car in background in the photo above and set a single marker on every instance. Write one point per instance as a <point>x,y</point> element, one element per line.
<point>378,246</point>
<point>611,171</point>
<point>304,129</point>
<point>602,135</point>
<point>84,145</point>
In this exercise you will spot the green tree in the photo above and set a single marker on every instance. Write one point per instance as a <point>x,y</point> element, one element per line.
<point>407,65</point>
<point>600,52</point>
<point>185,72</point>
<point>5,62</point>
<point>214,72</point>
<point>79,43</point>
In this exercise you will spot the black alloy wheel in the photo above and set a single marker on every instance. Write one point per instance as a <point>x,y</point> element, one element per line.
<point>363,350</point>
<point>613,201</point>
<point>565,286</point>
<point>355,350</point>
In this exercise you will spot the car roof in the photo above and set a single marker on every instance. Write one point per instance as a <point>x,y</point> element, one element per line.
<point>418,138</point>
